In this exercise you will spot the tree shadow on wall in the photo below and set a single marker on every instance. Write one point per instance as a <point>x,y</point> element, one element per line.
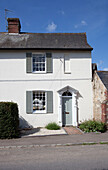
<point>26,128</point>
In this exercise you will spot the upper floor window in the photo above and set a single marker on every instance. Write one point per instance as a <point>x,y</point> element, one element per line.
<point>39,62</point>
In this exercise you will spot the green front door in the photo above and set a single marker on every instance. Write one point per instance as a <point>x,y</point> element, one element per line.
<point>67,111</point>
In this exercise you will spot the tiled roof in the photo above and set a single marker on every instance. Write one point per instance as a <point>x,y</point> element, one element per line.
<point>44,41</point>
<point>104,77</point>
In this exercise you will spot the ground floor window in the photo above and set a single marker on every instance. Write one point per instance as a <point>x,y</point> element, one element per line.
<point>39,101</point>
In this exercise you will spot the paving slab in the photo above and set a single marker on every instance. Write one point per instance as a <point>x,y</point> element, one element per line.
<point>41,132</point>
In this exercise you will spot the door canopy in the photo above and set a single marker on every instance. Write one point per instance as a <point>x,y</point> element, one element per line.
<point>67,91</point>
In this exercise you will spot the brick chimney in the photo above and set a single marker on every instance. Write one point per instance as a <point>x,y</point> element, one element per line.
<point>14,25</point>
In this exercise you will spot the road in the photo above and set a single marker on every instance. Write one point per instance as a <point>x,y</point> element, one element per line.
<point>82,157</point>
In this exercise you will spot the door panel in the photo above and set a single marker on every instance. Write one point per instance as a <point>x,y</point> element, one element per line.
<point>67,110</point>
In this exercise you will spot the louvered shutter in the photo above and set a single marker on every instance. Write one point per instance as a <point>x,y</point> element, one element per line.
<point>29,101</point>
<point>49,62</point>
<point>49,102</point>
<point>29,62</point>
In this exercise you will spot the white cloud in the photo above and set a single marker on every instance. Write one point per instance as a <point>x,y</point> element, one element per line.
<point>62,12</point>
<point>76,26</point>
<point>51,27</point>
<point>83,22</point>
<point>99,65</point>
<point>105,69</point>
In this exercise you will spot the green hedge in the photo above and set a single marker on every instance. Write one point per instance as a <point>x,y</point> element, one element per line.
<point>92,126</point>
<point>9,120</point>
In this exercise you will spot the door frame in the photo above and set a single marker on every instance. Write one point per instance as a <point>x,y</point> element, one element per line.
<point>74,105</point>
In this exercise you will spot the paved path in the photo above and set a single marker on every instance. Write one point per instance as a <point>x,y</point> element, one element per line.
<point>73,130</point>
<point>54,140</point>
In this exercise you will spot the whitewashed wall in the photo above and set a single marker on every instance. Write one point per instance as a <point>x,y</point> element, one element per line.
<point>14,82</point>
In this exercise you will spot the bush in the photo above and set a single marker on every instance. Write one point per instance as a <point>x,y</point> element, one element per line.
<point>52,126</point>
<point>9,120</point>
<point>93,126</point>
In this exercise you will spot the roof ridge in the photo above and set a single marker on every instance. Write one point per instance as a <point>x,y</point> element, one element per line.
<point>47,33</point>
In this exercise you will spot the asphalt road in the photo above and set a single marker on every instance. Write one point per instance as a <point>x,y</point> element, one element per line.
<point>84,157</point>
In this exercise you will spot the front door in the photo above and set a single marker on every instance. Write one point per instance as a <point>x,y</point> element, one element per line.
<point>67,110</point>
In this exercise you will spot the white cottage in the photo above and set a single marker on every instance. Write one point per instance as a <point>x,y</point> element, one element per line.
<point>47,74</point>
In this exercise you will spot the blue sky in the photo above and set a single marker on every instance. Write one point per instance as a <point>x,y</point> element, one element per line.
<point>90,16</point>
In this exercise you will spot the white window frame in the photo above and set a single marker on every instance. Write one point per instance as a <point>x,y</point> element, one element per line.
<point>45,63</point>
<point>40,111</point>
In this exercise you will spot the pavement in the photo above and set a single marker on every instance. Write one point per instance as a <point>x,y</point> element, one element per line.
<point>55,140</point>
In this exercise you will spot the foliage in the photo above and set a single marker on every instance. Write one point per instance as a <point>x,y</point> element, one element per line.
<point>9,120</point>
<point>92,126</point>
<point>52,126</point>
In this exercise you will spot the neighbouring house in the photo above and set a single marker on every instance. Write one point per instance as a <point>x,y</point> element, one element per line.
<point>48,75</point>
<point>100,95</point>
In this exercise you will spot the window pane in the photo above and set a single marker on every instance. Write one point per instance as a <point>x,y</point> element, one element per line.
<point>36,59</point>
<point>33,59</point>
<point>39,59</point>
<point>39,101</point>
<point>43,59</point>
<point>38,62</point>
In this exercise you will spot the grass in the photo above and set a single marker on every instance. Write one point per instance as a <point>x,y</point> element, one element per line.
<point>91,143</point>
<point>102,143</point>
<point>85,144</point>
<point>52,126</point>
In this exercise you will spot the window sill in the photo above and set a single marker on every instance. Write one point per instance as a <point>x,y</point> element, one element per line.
<point>37,112</point>
<point>39,72</point>
<point>40,113</point>
<point>67,72</point>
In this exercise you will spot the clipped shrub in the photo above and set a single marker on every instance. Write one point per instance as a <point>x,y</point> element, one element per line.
<point>52,126</point>
<point>9,120</point>
<point>92,126</point>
